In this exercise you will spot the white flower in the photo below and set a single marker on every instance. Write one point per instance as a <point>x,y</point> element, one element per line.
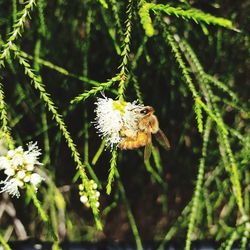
<point>112,116</point>
<point>97,204</point>
<point>35,179</point>
<point>11,153</point>
<point>11,187</point>
<point>30,167</point>
<point>31,155</point>
<point>9,171</point>
<point>90,197</point>
<point>81,187</point>
<point>18,159</point>
<point>108,120</point>
<point>19,166</point>
<point>26,178</point>
<point>4,163</point>
<point>84,199</point>
<point>93,184</point>
<point>21,174</point>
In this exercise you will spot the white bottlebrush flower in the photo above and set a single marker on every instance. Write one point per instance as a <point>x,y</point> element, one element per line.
<point>112,116</point>
<point>19,166</point>
<point>31,155</point>
<point>11,186</point>
<point>108,120</point>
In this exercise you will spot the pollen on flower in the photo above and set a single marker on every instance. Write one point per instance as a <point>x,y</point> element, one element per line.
<point>112,116</point>
<point>19,166</point>
<point>131,116</point>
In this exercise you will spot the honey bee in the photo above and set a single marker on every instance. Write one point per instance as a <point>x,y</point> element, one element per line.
<point>147,125</point>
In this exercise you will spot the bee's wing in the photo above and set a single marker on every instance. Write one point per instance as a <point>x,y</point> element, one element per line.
<point>148,148</point>
<point>162,139</point>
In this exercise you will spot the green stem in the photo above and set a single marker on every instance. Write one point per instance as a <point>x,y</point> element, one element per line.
<point>129,213</point>
<point>37,204</point>
<point>198,186</point>
<point>4,243</point>
<point>125,51</point>
<point>17,27</point>
<point>112,170</point>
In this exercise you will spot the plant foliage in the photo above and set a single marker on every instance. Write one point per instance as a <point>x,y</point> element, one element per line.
<point>187,59</point>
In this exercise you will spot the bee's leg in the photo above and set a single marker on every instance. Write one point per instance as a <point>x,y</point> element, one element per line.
<point>128,133</point>
<point>154,124</point>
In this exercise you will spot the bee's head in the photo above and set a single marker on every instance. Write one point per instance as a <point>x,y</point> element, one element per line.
<point>146,110</point>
